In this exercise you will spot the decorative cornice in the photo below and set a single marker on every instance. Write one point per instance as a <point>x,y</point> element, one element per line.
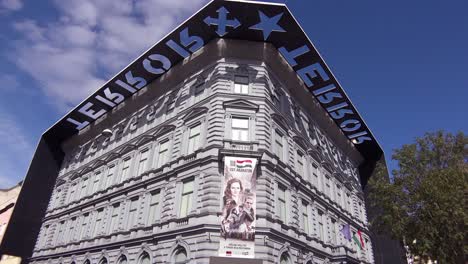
<point>197,111</point>
<point>241,104</point>
<point>127,148</point>
<point>163,130</point>
<point>280,120</point>
<point>300,141</point>
<point>144,139</point>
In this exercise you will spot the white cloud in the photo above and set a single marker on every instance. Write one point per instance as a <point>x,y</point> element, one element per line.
<point>14,148</point>
<point>91,41</point>
<point>10,5</point>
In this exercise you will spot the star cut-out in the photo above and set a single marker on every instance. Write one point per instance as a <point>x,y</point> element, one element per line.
<point>268,24</point>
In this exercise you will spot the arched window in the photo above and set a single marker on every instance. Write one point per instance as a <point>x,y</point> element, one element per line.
<point>180,256</point>
<point>122,260</point>
<point>144,259</point>
<point>284,259</point>
<point>103,261</point>
<point>87,262</point>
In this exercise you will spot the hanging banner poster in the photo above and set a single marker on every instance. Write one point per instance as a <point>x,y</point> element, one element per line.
<point>239,200</point>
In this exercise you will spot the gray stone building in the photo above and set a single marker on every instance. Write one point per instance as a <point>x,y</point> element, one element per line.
<point>141,179</point>
<point>151,191</point>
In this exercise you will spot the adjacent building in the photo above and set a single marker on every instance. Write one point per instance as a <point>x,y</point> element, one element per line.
<point>8,199</point>
<point>229,141</point>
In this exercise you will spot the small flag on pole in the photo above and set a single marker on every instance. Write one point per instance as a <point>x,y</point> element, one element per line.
<point>360,238</point>
<point>356,240</point>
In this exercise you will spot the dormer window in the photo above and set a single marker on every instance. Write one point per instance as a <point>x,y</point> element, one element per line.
<point>198,91</point>
<point>241,84</point>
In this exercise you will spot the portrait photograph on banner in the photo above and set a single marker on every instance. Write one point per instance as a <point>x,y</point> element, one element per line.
<point>239,208</point>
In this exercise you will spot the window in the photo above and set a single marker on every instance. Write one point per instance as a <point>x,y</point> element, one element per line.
<point>97,180</point>
<point>240,129</point>
<point>71,232</point>
<point>84,225</point>
<point>56,201</point>
<point>282,203</point>
<point>61,229</point>
<point>305,217</point>
<point>332,190</point>
<point>241,85</point>
<point>163,154</point>
<point>194,139</point>
<point>114,224</point>
<point>125,169</point>
<point>348,203</point>
<point>132,214</point>
<point>276,98</point>
<point>300,164</point>
<point>144,259</point>
<point>180,256</point>
<point>360,216</point>
<point>279,145</point>
<point>327,186</point>
<point>103,261</point>
<point>340,198</point>
<point>122,260</point>
<point>98,223</point>
<point>154,207</point>
<point>84,185</point>
<point>110,176</point>
<point>321,230</point>
<point>187,196</point>
<point>198,92</point>
<point>45,234</point>
<point>333,231</point>
<point>315,173</point>
<point>170,106</point>
<point>142,165</point>
<point>284,259</point>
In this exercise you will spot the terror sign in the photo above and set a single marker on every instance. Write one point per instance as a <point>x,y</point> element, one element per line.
<point>253,21</point>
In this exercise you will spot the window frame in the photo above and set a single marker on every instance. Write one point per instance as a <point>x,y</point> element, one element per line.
<point>198,91</point>
<point>111,167</point>
<point>98,222</point>
<point>97,177</point>
<point>147,161</point>
<point>190,202</point>
<point>155,214</point>
<point>305,216</point>
<point>281,202</point>
<point>114,222</point>
<point>132,215</point>
<point>240,129</point>
<point>301,166</point>
<point>321,228</point>
<point>245,88</point>
<point>160,142</point>
<point>125,171</point>
<point>189,137</point>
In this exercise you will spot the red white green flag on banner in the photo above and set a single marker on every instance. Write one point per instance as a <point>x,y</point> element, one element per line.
<point>360,241</point>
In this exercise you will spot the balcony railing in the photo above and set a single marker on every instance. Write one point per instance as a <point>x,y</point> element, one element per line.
<point>240,145</point>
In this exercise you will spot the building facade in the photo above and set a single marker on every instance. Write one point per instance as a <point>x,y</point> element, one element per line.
<point>148,169</point>
<point>151,192</point>
<point>8,199</point>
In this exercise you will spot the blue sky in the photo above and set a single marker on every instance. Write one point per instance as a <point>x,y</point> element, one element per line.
<point>404,64</point>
